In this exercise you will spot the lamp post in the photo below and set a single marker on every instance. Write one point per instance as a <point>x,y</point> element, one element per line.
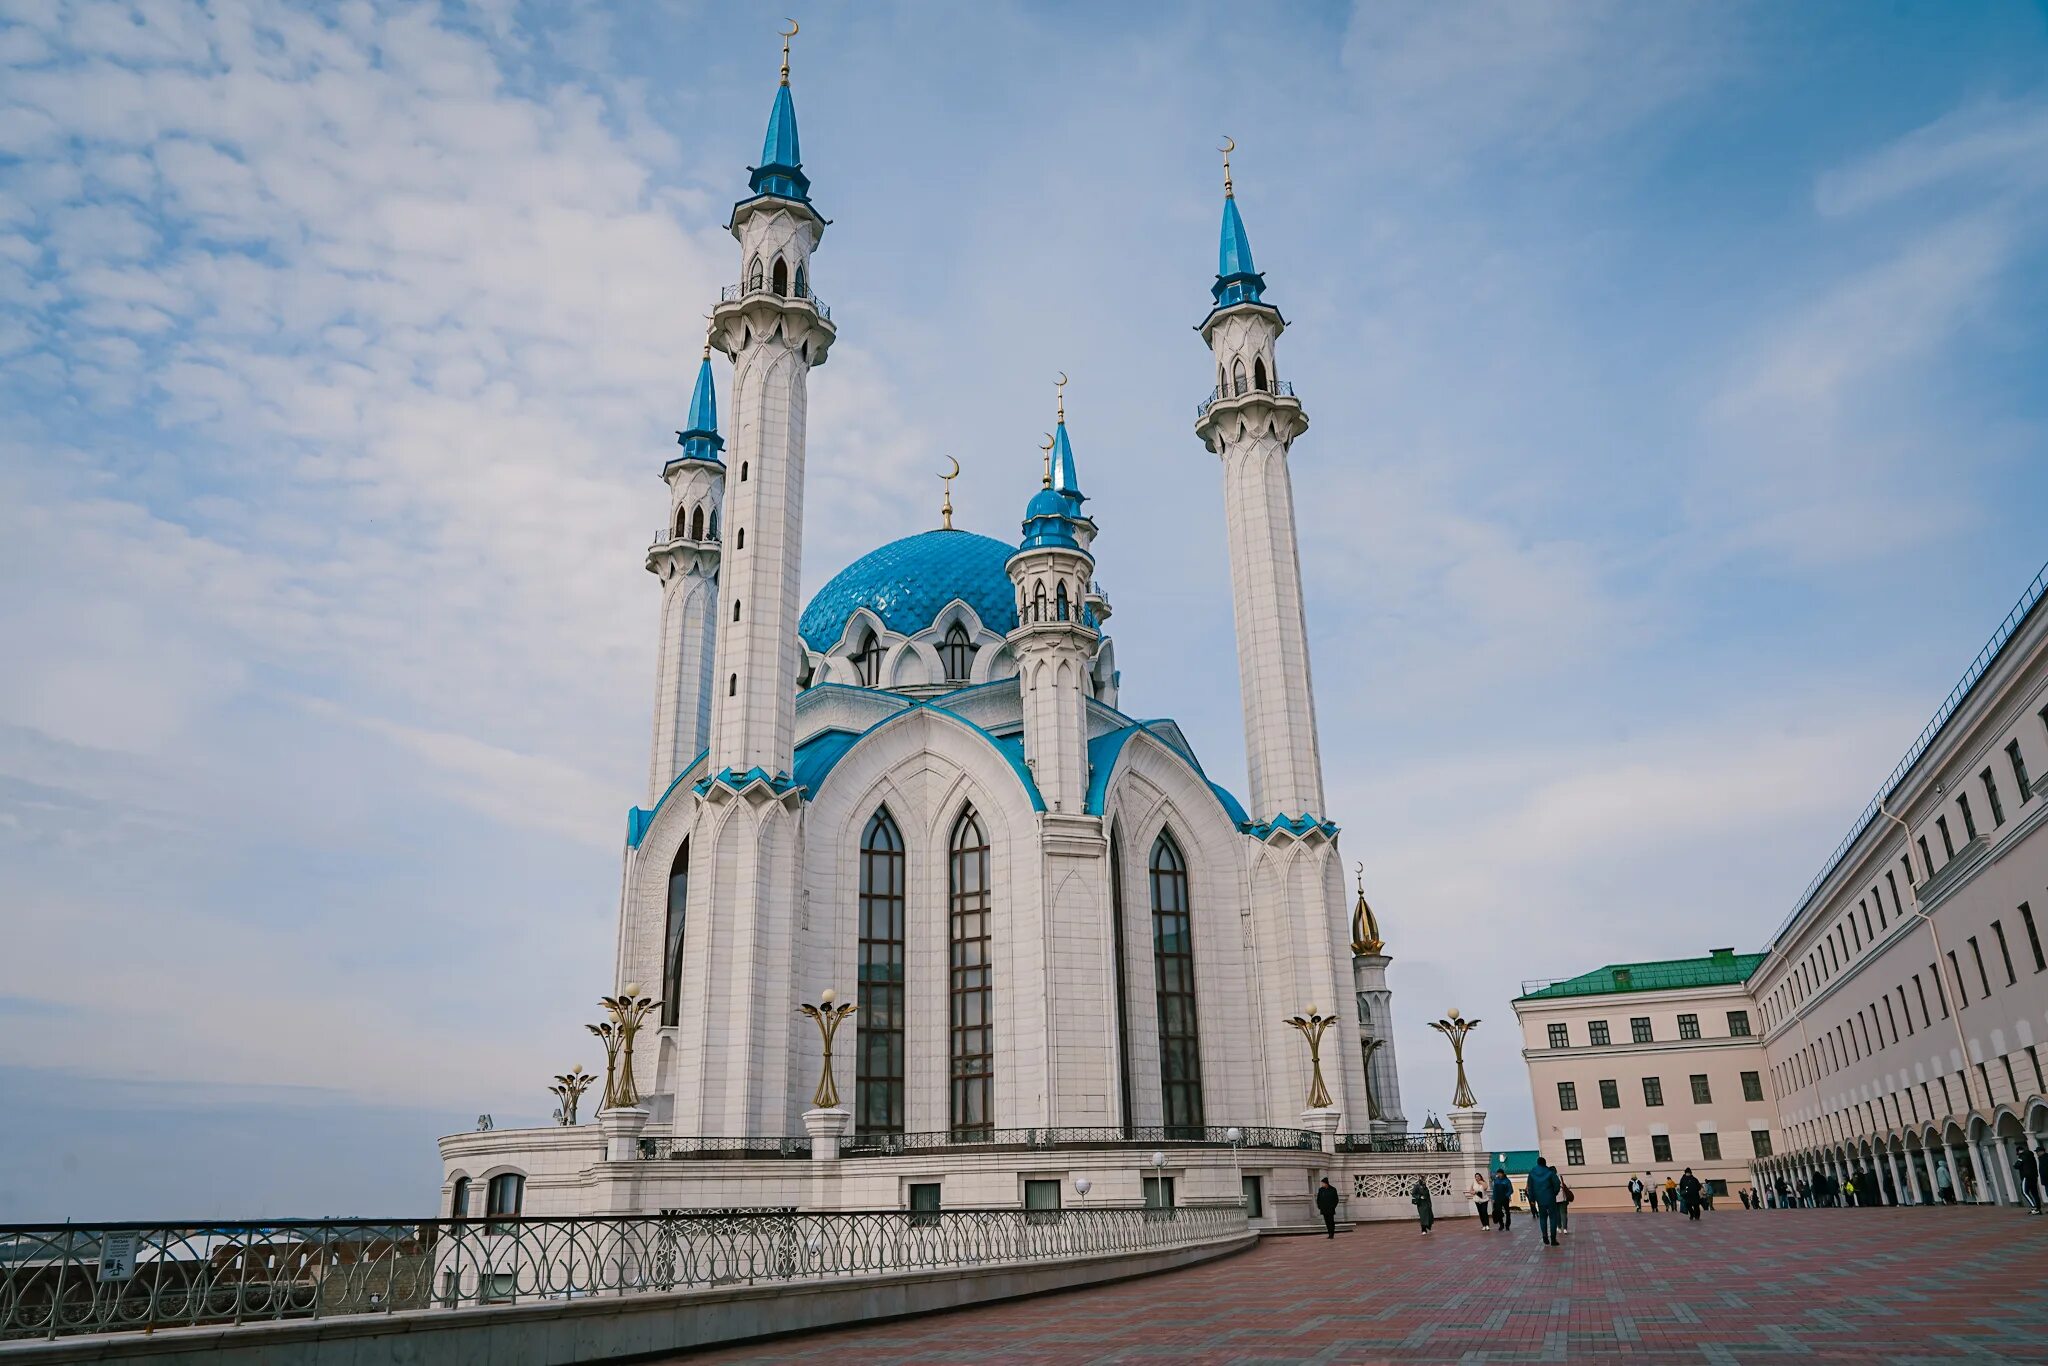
<point>827,1016</point>
<point>1455,1027</point>
<point>608,1035</point>
<point>628,1010</point>
<point>1234,1136</point>
<point>1312,1026</point>
<point>568,1090</point>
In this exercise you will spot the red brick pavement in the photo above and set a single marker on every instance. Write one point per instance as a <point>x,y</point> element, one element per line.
<point>1893,1285</point>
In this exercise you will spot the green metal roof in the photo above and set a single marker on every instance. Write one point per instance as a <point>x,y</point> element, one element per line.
<point>1721,968</point>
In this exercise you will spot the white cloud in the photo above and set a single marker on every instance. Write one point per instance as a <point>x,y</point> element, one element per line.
<point>1999,145</point>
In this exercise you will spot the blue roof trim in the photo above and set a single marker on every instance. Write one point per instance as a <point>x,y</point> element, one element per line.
<point>638,819</point>
<point>1065,477</point>
<point>816,767</point>
<point>1104,751</point>
<point>817,755</point>
<point>908,582</point>
<point>1237,280</point>
<point>1304,824</point>
<point>781,168</point>
<point>699,438</point>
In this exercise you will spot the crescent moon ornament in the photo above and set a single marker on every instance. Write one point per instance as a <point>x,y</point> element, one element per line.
<point>794,26</point>
<point>954,473</point>
<point>1229,145</point>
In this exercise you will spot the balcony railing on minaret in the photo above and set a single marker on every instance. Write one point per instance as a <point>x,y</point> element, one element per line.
<point>1280,388</point>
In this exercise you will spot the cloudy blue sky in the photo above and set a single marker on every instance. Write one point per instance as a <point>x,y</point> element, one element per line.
<point>1677,378</point>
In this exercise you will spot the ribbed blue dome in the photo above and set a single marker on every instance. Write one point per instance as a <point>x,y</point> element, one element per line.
<point>908,582</point>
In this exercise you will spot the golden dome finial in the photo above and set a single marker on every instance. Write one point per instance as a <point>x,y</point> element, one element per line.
<point>1229,146</point>
<point>1365,927</point>
<point>1047,448</point>
<point>946,507</point>
<point>793,28</point>
<point>1060,388</point>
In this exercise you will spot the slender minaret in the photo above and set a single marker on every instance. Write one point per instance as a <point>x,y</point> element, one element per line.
<point>1056,627</point>
<point>775,330</point>
<point>1250,422</point>
<point>1375,1001</point>
<point>685,558</point>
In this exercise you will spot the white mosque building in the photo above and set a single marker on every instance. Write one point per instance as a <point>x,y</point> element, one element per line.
<point>1069,947</point>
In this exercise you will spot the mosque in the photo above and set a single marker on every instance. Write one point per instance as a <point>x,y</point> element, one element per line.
<point>1066,943</point>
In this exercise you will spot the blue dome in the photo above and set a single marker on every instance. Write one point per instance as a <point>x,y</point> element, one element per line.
<point>908,582</point>
<point>1048,503</point>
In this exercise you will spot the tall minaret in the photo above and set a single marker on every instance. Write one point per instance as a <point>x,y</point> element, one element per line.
<point>775,330</point>
<point>1056,627</point>
<point>685,558</point>
<point>1250,422</point>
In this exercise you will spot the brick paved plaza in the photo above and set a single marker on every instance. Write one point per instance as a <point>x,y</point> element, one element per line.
<point>1896,1285</point>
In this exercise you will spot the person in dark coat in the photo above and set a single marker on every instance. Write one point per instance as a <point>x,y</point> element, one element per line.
<point>1544,1187</point>
<point>1503,1201</point>
<point>1418,1195</point>
<point>2027,1167</point>
<point>1689,1194</point>
<point>1326,1204</point>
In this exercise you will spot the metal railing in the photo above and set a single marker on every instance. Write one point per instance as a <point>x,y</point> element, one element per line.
<point>681,1148</point>
<point>732,293</point>
<point>1429,1141</point>
<point>63,1280</point>
<point>1284,388</point>
<point>890,1145</point>
<point>2021,610</point>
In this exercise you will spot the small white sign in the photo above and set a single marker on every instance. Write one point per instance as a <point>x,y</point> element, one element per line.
<point>117,1257</point>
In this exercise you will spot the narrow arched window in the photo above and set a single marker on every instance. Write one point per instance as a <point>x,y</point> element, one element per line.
<point>957,654</point>
<point>803,282</point>
<point>743,471</point>
<point>972,987</point>
<point>1038,601</point>
<point>779,281</point>
<point>697,525</point>
<point>867,661</point>
<point>754,276</point>
<point>735,609</point>
<point>505,1197</point>
<point>1259,373</point>
<point>458,1203</point>
<point>711,527</point>
<point>878,1069</point>
<point>1117,953</point>
<point>740,541</point>
<point>1237,376</point>
<point>1222,380</point>
<point>682,523</point>
<point>672,958</point>
<point>732,686</point>
<point>1060,602</point>
<point>1173,958</point>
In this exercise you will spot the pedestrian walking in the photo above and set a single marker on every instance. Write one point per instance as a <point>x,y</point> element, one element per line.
<point>1544,1185</point>
<point>1635,1192</point>
<point>1689,1194</point>
<point>2027,1167</point>
<point>1564,1205</point>
<point>1944,1183</point>
<point>1670,1195</point>
<point>1326,1203</point>
<point>1418,1195</point>
<point>1503,1201</point>
<point>1481,1194</point>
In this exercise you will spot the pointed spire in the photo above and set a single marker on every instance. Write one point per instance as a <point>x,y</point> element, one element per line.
<point>1065,479</point>
<point>1237,280</point>
<point>1365,927</point>
<point>699,438</point>
<point>781,168</point>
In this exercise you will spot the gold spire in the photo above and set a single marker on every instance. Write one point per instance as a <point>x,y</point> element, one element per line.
<point>1046,482</point>
<point>1060,385</point>
<point>946,507</point>
<point>1229,146</point>
<point>1365,927</point>
<point>793,27</point>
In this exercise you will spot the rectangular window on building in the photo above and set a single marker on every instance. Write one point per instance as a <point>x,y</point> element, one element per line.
<point>1905,1010</point>
<point>1639,1028</point>
<point>1752,1086</point>
<point>1926,859</point>
<point>1560,1036</point>
<point>1660,1147</point>
<point>1575,1152</point>
<point>1158,1192</point>
<point>1738,1024</point>
<point>1653,1090</point>
<point>2040,1082</point>
<point>1948,843</point>
<point>1702,1094</point>
<point>1941,990</point>
<point>1983,977</point>
<point>1597,1032</point>
<point>1855,935</point>
<point>1255,1197</point>
<point>2004,952</point>
<point>1760,1142</point>
<point>1617,1151</point>
<point>1688,1026</point>
<point>1920,989</point>
<point>1710,1147</point>
<point>1567,1095</point>
<point>1610,1095</point>
<point>1041,1201</point>
<point>2019,771</point>
<point>2033,937</point>
<point>1955,970</point>
<point>1991,796</point>
<point>1892,882</point>
<point>924,1202</point>
<point>1948,1104</point>
<point>1969,821</point>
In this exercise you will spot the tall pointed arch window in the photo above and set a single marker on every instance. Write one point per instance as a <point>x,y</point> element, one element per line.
<point>1259,373</point>
<point>956,653</point>
<point>1060,602</point>
<point>754,277</point>
<point>803,282</point>
<point>1116,935</point>
<point>867,661</point>
<point>697,525</point>
<point>1237,376</point>
<point>972,1043</point>
<point>1173,958</point>
<point>1038,601</point>
<point>672,938</point>
<point>878,1069</point>
<point>779,279</point>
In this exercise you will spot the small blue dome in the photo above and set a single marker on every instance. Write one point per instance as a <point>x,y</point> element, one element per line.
<point>1048,503</point>
<point>907,583</point>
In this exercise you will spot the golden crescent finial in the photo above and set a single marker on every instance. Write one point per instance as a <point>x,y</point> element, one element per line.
<point>1047,448</point>
<point>1061,385</point>
<point>793,27</point>
<point>1229,146</point>
<point>955,474</point>
<point>946,507</point>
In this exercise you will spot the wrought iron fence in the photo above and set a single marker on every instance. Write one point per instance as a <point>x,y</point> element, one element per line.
<point>1284,388</point>
<point>1429,1141</point>
<point>61,1280</point>
<point>890,1145</point>
<point>799,290</point>
<point>684,1148</point>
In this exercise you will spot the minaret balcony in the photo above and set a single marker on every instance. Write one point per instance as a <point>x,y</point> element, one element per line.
<point>799,292</point>
<point>1276,389</point>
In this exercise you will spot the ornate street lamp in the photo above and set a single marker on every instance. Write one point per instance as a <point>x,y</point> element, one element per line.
<point>1312,1026</point>
<point>628,1010</point>
<point>1455,1028</point>
<point>1372,1092</point>
<point>568,1089</point>
<point>828,1017</point>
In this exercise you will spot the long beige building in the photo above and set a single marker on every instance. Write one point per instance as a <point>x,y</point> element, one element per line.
<point>1897,1017</point>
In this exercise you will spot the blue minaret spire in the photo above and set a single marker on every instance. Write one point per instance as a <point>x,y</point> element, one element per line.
<point>781,170</point>
<point>1237,280</point>
<point>699,438</point>
<point>1054,515</point>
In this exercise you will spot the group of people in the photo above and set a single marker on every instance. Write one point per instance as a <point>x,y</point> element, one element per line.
<point>1550,1200</point>
<point>1863,1187</point>
<point>1685,1194</point>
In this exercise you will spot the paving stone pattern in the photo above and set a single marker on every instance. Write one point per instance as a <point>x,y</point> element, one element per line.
<point>1883,1285</point>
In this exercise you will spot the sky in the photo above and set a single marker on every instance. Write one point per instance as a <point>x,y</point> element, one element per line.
<point>1677,387</point>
